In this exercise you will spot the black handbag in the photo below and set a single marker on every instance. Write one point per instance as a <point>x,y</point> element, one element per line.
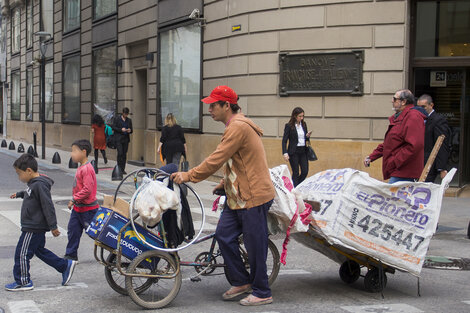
<point>311,155</point>
<point>111,142</point>
<point>184,168</point>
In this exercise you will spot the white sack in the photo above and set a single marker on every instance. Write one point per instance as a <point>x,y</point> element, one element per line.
<point>392,223</point>
<point>153,199</point>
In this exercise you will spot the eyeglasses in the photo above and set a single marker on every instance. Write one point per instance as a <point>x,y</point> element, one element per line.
<point>395,99</point>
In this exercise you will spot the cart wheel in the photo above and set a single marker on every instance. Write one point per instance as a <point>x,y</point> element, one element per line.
<point>202,257</point>
<point>163,288</point>
<point>350,271</point>
<point>372,281</point>
<point>116,280</point>
<point>272,261</point>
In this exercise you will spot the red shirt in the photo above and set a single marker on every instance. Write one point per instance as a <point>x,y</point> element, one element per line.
<point>84,189</point>
<point>403,146</point>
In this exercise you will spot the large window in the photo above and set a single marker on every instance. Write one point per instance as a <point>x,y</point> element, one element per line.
<point>29,94</point>
<point>47,16</point>
<point>71,90</point>
<point>15,30</point>
<point>104,82</point>
<point>15,96</point>
<point>3,36</point>
<point>71,15</point>
<point>442,28</point>
<point>29,23</point>
<point>102,8</point>
<point>49,91</point>
<point>180,75</point>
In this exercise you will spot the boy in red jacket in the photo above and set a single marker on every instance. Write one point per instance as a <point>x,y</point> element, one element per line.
<point>83,204</point>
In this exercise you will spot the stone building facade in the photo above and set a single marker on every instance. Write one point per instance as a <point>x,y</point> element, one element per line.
<point>157,57</point>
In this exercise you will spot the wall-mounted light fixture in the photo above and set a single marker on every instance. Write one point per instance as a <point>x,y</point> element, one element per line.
<point>149,57</point>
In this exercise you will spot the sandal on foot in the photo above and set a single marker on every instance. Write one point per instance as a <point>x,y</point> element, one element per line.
<point>250,301</point>
<point>230,294</point>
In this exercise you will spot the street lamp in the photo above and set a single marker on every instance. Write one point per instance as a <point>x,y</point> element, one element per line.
<point>44,38</point>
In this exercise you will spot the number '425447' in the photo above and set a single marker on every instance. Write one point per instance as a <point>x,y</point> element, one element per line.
<point>376,228</point>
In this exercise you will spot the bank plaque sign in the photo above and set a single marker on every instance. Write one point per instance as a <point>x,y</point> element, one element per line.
<point>338,73</point>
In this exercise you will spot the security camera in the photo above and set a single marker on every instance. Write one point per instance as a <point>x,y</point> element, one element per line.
<point>195,14</point>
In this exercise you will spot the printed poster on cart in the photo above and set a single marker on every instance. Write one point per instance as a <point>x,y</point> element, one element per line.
<point>392,223</point>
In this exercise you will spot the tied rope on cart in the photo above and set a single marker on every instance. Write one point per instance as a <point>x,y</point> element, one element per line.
<point>390,223</point>
<point>304,218</point>
<point>290,212</point>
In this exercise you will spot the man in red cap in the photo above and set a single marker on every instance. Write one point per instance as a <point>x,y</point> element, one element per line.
<point>249,191</point>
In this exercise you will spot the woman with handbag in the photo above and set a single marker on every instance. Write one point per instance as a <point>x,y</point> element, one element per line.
<point>172,142</point>
<point>297,152</point>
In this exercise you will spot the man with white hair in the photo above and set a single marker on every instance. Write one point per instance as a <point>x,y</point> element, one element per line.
<point>402,150</point>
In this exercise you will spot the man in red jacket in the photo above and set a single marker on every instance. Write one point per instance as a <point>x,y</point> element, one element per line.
<point>403,147</point>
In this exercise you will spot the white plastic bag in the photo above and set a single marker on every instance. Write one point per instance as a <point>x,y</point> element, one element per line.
<point>153,199</point>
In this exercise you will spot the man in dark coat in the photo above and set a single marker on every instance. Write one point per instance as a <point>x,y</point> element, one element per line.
<point>122,127</point>
<point>436,125</point>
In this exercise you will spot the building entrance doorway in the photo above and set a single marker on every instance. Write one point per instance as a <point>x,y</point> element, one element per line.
<point>450,89</point>
<point>139,116</point>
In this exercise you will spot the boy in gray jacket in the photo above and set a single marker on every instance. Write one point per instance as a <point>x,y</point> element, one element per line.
<point>37,218</point>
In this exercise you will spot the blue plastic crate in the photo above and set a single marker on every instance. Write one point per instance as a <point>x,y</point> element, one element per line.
<point>106,225</point>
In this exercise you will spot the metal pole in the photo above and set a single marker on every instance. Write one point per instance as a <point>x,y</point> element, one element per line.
<point>35,144</point>
<point>43,101</point>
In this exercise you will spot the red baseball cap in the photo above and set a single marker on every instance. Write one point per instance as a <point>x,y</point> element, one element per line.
<point>221,93</point>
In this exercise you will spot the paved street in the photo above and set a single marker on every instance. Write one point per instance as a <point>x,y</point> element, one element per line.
<point>308,283</point>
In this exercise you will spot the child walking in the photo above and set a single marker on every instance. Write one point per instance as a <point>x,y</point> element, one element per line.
<point>99,138</point>
<point>37,218</point>
<point>83,204</point>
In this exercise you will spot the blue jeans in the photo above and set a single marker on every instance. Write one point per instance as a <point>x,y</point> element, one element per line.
<point>29,245</point>
<point>77,223</point>
<point>253,225</point>
<point>395,179</point>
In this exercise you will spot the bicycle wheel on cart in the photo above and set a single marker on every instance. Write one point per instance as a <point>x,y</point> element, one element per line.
<point>116,280</point>
<point>164,285</point>
<point>272,261</point>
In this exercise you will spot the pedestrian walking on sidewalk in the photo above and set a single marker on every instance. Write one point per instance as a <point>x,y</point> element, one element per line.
<point>37,218</point>
<point>172,142</point>
<point>296,153</point>
<point>402,150</point>
<point>99,138</point>
<point>436,125</point>
<point>122,128</point>
<point>249,191</point>
<point>83,204</point>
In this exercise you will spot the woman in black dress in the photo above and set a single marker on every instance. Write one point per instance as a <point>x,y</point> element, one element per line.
<point>172,142</point>
<point>296,153</point>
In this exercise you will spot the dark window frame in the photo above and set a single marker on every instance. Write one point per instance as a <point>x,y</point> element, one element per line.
<point>98,19</point>
<point>48,60</point>
<point>14,53</point>
<point>64,58</point>
<point>41,20</point>
<point>30,70</point>
<point>76,28</point>
<point>159,108</point>
<point>15,72</point>
<point>28,12</point>
<point>435,61</point>
<point>99,47</point>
